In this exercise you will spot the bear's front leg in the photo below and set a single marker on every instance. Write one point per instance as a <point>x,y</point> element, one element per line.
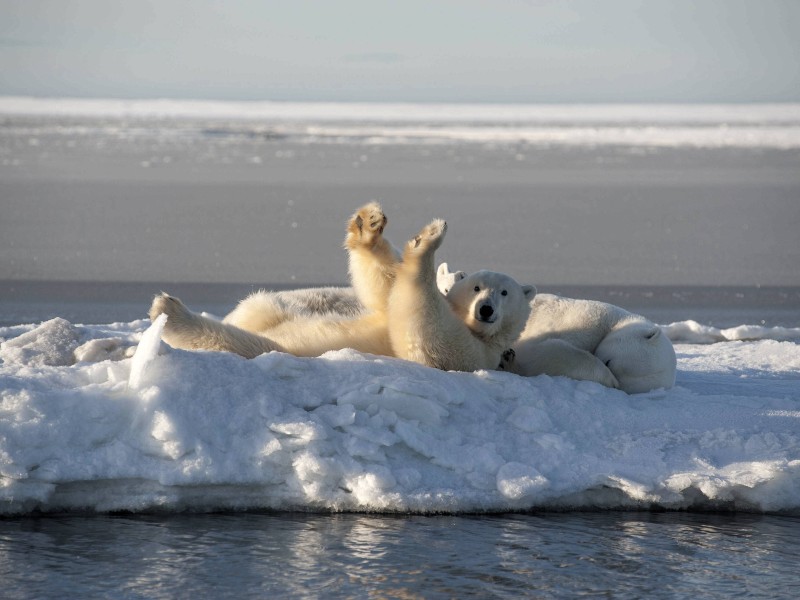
<point>365,227</point>
<point>507,360</point>
<point>372,259</point>
<point>556,357</point>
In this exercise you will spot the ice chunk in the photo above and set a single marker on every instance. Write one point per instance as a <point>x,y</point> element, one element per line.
<point>146,351</point>
<point>516,481</point>
<point>407,400</point>
<point>51,344</point>
<point>102,349</point>
<point>693,332</point>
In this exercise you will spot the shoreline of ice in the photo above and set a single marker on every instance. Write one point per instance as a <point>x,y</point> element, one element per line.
<point>708,126</point>
<point>753,113</point>
<point>104,418</point>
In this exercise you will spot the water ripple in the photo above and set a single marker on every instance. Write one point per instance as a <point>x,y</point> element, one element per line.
<point>624,555</point>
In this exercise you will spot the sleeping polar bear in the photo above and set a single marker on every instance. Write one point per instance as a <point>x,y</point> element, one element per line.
<point>586,339</point>
<point>403,315</point>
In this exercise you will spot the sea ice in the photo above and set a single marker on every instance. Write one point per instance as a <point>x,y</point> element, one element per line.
<point>85,426</point>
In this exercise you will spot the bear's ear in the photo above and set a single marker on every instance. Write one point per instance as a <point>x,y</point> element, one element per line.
<point>445,279</point>
<point>444,271</point>
<point>529,291</point>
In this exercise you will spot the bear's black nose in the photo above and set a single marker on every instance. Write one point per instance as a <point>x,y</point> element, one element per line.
<point>486,311</point>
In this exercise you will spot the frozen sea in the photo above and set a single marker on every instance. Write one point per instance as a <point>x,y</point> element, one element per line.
<point>129,470</point>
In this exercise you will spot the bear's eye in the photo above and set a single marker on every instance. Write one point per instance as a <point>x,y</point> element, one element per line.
<point>504,293</point>
<point>477,289</point>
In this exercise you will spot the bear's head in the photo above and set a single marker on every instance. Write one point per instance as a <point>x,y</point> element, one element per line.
<point>639,355</point>
<point>491,304</point>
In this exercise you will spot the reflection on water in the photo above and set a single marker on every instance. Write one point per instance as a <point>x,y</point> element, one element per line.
<point>310,556</point>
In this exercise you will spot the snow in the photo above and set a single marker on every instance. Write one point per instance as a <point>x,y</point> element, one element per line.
<point>751,126</point>
<point>108,418</point>
<point>694,332</point>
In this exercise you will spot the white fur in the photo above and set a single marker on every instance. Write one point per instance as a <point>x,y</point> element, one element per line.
<point>262,310</point>
<point>585,339</point>
<point>581,339</point>
<point>298,334</point>
<point>394,309</point>
<point>372,259</point>
<point>459,334</point>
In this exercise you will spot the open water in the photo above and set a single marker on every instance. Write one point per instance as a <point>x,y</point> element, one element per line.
<point>614,555</point>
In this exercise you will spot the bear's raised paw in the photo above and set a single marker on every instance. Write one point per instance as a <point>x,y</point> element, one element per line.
<point>366,226</point>
<point>429,238</point>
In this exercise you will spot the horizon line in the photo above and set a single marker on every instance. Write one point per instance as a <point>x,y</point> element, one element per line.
<point>398,102</point>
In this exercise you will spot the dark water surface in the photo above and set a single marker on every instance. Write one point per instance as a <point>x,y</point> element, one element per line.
<point>91,302</point>
<point>621,555</point>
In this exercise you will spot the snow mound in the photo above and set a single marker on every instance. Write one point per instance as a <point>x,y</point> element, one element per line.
<point>52,343</point>
<point>694,333</point>
<point>351,432</point>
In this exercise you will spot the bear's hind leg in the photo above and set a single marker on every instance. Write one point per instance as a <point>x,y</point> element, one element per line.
<point>189,331</point>
<point>426,242</point>
<point>422,325</point>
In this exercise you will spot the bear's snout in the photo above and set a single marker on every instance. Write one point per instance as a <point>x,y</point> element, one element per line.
<point>486,311</point>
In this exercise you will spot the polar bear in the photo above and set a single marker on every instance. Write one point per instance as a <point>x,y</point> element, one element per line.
<point>471,328</point>
<point>404,314</point>
<point>586,339</point>
<point>581,339</point>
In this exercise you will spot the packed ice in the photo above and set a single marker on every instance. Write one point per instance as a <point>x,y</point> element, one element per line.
<point>102,418</point>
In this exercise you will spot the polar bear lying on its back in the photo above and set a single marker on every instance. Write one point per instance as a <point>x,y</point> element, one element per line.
<point>403,314</point>
<point>585,339</point>
<point>581,339</point>
<point>466,331</point>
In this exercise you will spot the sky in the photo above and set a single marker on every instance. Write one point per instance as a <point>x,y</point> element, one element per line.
<point>410,50</point>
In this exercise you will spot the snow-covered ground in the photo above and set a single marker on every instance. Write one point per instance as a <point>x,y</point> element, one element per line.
<point>106,417</point>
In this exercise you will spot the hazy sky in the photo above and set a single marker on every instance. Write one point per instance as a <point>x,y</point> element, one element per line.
<point>408,50</point>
